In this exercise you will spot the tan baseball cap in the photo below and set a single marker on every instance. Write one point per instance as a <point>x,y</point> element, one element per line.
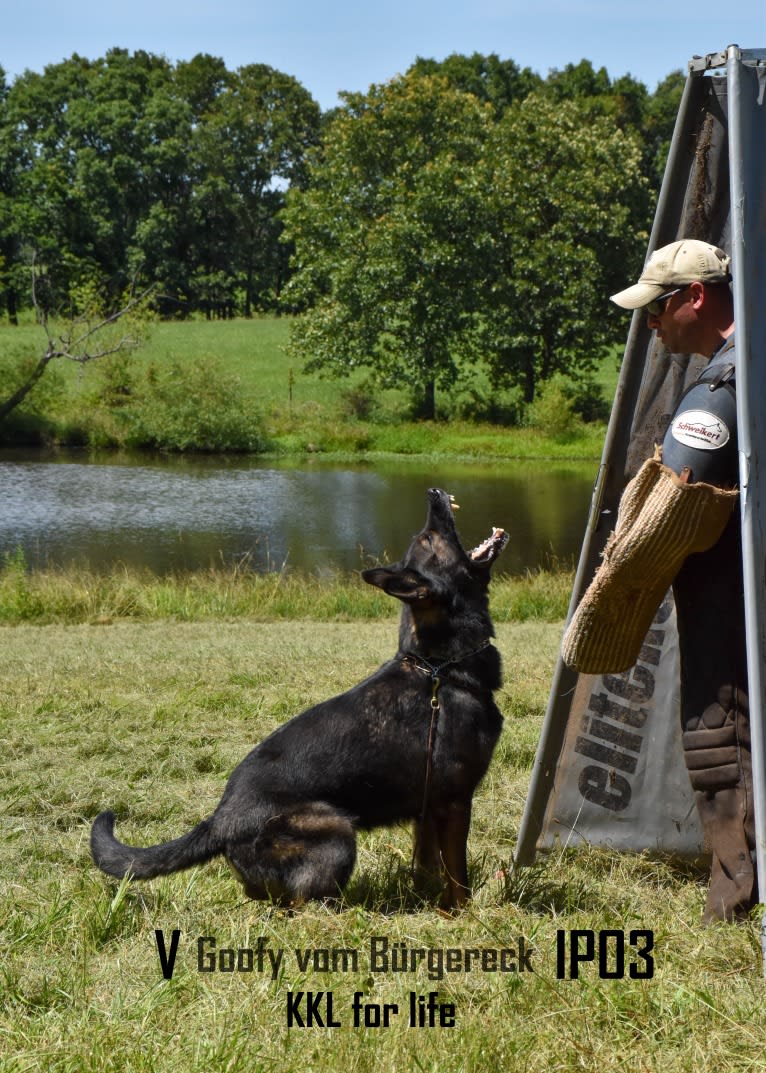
<point>673,266</point>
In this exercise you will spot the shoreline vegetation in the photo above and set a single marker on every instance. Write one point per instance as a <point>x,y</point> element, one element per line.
<point>82,595</point>
<point>227,387</point>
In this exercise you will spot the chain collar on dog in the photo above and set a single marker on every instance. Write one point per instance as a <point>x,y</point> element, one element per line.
<point>433,670</point>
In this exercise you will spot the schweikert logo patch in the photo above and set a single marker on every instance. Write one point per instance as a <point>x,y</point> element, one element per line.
<point>698,428</point>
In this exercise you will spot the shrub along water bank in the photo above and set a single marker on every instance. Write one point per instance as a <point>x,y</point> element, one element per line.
<point>86,596</point>
<point>231,387</point>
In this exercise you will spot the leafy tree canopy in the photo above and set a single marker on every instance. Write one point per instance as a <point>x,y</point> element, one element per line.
<point>571,210</point>
<point>491,79</point>
<point>128,168</point>
<point>430,231</point>
<point>390,233</point>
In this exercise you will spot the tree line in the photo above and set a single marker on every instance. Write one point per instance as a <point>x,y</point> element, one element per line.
<point>467,211</point>
<point>128,168</point>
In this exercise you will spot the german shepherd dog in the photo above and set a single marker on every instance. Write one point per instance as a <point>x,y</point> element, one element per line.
<point>411,742</point>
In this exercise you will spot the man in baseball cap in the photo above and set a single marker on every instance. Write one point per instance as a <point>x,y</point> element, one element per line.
<point>679,524</point>
<point>685,294</point>
<point>674,266</point>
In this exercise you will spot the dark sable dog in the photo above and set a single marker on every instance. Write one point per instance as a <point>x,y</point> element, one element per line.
<point>410,742</point>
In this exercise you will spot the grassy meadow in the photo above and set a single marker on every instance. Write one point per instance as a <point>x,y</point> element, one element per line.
<point>140,693</point>
<point>146,709</point>
<point>231,386</point>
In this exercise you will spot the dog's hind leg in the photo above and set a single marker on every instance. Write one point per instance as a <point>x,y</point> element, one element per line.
<point>307,854</point>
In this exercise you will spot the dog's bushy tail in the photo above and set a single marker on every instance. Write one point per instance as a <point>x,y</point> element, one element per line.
<point>117,859</point>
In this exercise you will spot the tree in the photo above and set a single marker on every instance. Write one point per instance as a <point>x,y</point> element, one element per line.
<point>161,244</point>
<point>125,166</point>
<point>9,241</point>
<point>629,103</point>
<point>251,143</point>
<point>85,336</point>
<point>432,233</point>
<point>571,209</point>
<point>660,121</point>
<point>81,168</point>
<point>499,82</point>
<point>578,81</point>
<point>389,235</point>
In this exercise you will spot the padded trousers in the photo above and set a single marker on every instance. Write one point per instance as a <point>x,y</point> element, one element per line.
<point>715,719</point>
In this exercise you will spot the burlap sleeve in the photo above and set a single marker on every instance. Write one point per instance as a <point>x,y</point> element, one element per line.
<point>661,520</point>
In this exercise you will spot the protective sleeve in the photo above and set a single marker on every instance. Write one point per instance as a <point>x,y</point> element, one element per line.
<point>661,520</point>
<point>703,435</point>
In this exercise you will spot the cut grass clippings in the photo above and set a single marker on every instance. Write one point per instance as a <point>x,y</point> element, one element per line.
<point>141,693</point>
<point>148,718</point>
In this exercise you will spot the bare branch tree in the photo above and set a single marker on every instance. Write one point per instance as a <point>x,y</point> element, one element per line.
<point>82,341</point>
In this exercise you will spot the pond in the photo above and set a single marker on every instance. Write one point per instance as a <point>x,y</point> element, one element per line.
<point>169,514</point>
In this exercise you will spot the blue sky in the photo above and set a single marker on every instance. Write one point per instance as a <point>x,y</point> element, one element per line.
<point>349,44</point>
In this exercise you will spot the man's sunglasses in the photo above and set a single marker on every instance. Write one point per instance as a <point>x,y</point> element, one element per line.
<point>657,307</point>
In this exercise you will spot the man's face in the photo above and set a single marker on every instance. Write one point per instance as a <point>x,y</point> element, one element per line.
<point>675,322</point>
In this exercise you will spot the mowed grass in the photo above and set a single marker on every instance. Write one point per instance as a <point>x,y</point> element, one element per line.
<point>149,718</point>
<point>254,349</point>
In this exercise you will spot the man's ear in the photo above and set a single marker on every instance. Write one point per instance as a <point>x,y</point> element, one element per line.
<point>399,581</point>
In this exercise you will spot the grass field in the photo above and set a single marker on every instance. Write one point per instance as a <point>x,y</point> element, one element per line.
<point>141,694</point>
<point>255,350</point>
<point>148,717</point>
<point>256,382</point>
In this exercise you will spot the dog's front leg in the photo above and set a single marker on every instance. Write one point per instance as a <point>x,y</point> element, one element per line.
<point>453,825</point>
<point>426,856</point>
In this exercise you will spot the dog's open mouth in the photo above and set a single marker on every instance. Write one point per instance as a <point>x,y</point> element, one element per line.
<point>486,552</point>
<point>489,549</point>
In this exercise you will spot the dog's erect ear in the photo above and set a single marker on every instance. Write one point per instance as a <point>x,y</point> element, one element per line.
<point>399,581</point>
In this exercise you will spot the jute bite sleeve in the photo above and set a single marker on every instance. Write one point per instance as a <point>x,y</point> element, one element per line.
<point>661,520</point>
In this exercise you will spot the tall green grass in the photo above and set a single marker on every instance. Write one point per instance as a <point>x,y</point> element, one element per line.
<point>79,595</point>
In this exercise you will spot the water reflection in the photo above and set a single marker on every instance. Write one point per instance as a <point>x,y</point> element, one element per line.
<point>186,513</point>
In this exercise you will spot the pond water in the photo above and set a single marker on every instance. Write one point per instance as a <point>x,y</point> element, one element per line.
<point>184,513</point>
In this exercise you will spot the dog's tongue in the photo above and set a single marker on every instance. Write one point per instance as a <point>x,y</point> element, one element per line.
<point>489,550</point>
